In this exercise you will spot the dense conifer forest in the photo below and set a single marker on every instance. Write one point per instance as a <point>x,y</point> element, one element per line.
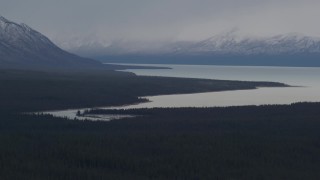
<point>250,142</point>
<point>253,142</point>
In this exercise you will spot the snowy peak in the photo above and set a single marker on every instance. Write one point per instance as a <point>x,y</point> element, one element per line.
<point>4,23</point>
<point>20,34</point>
<point>274,45</point>
<point>3,20</point>
<point>229,43</point>
<point>21,46</point>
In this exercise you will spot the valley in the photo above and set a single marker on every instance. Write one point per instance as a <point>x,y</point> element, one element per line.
<point>155,121</point>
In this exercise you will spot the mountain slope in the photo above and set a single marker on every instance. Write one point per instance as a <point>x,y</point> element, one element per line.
<point>23,47</point>
<point>221,44</point>
<point>223,49</point>
<point>275,45</point>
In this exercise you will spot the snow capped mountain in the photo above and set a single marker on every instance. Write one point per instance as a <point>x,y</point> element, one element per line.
<point>93,47</point>
<point>21,46</point>
<point>222,44</point>
<point>275,45</point>
<point>19,34</point>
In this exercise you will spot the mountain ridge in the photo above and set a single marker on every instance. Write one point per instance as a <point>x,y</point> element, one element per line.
<point>221,44</point>
<point>23,47</point>
<point>292,49</point>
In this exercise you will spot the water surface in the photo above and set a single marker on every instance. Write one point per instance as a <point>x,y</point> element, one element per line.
<point>307,78</point>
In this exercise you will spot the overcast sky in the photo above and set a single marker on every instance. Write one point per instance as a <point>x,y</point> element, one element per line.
<point>163,20</point>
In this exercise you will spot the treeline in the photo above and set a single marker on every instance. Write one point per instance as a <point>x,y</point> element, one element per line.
<point>230,111</point>
<point>35,90</point>
<point>251,142</point>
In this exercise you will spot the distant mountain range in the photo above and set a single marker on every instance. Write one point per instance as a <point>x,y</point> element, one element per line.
<point>223,44</point>
<point>224,49</point>
<point>23,47</point>
<point>275,45</point>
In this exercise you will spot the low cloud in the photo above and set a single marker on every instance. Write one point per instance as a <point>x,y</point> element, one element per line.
<point>165,20</point>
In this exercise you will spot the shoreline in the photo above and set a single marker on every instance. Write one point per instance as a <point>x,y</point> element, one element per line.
<point>73,112</point>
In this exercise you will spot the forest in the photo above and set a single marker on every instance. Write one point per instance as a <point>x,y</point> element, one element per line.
<point>250,142</point>
<point>247,142</point>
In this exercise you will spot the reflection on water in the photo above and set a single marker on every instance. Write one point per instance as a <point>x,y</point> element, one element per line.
<point>309,78</point>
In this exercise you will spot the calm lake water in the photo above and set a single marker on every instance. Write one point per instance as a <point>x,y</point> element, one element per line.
<point>307,78</point>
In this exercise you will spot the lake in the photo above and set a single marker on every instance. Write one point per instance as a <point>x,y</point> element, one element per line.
<point>307,78</point>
